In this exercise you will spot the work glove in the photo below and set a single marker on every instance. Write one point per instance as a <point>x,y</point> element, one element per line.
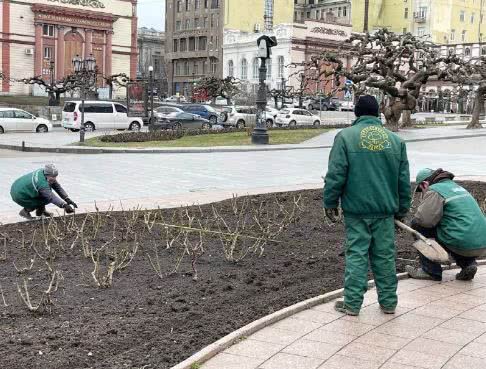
<point>68,209</point>
<point>71,202</point>
<point>332,214</point>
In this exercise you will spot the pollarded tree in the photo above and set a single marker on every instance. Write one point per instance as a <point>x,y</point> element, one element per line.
<point>120,80</point>
<point>54,89</point>
<point>214,87</point>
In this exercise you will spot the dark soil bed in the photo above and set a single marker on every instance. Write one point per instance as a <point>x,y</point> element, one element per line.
<point>145,320</point>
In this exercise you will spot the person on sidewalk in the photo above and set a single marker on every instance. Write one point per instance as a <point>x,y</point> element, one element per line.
<point>451,215</point>
<point>368,173</point>
<point>34,191</point>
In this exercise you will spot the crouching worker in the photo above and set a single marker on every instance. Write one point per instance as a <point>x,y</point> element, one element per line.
<point>453,217</point>
<point>34,191</point>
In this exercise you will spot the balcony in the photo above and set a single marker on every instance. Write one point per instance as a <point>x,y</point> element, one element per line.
<point>420,17</point>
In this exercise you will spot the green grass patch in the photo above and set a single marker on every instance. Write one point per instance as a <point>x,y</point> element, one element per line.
<point>277,137</point>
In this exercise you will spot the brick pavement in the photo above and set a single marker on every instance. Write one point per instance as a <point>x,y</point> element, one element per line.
<point>437,325</point>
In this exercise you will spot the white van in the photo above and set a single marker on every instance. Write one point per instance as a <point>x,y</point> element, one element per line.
<point>98,115</point>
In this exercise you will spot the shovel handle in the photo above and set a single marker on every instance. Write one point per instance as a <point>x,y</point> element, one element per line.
<point>411,230</point>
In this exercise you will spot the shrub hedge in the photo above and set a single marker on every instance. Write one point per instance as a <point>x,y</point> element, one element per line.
<point>169,135</point>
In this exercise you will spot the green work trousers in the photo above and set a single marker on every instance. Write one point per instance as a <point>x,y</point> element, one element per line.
<point>373,239</point>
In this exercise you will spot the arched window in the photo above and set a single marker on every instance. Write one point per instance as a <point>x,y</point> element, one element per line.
<point>255,68</point>
<point>231,69</point>
<point>244,69</point>
<point>483,51</point>
<point>467,51</point>
<point>281,66</point>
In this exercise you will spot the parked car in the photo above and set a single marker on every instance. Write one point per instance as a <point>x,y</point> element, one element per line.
<point>174,98</point>
<point>293,117</point>
<point>220,101</point>
<point>315,103</point>
<point>238,116</point>
<point>346,105</point>
<point>98,115</point>
<point>12,119</point>
<point>205,111</point>
<point>180,120</point>
<point>166,110</point>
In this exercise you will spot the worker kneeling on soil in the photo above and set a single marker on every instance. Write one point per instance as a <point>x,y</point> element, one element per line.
<point>451,215</point>
<point>33,191</point>
<point>369,172</point>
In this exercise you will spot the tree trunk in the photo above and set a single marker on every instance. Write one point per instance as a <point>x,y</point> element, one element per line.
<point>406,119</point>
<point>478,103</point>
<point>110,89</point>
<point>52,99</point>
<point>366,15</point>
<point>58,98</point>
<point>393,112</point>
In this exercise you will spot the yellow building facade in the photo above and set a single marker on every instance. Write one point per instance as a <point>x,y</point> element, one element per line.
<point>444,21</point>
<point>248,15</point>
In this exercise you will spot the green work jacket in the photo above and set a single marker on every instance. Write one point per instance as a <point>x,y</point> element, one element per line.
<point>463,224</point>
<point>25,190</point>
<point>368,171</point>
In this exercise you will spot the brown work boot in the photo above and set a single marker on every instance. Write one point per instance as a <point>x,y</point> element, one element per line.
<point>341,307</point>
<point>43,212</point>
<point>467,274</point>
<point>25,214</point>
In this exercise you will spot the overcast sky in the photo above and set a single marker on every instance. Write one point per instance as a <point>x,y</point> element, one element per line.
<point>151,13</point>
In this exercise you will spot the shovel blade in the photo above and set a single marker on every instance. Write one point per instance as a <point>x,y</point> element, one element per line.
<point>432,251</point>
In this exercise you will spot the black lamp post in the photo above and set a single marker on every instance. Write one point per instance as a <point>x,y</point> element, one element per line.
<point>84,70</point>
<point>260,133</point>
<point>151,87</point>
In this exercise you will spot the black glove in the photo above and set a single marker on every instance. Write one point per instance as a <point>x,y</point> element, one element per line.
<point>332,214</point>
<point>68,208</point>
<point>71,202</point>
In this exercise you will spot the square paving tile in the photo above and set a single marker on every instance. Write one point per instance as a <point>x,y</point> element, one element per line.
<point>401,330</point>
<point>432,347</point>
<point>465,362</point>
<point>326,336</point>
<point>345,362</point>
<point>450,336</point>
<point>414,320</point>
<point>373,315</point>
<point>278,336</point>
<point>256,349</point>
<point>471,300</point>
<point>477,292</point>
<point>434,312</point>
<point>465,325</point>
<point>365,352</point>
<point>475,349</point>
<point>474,314</point>
<point>347,327</point>
<point>450,304</point>
<point>390,365</point>
<point>296,325</point>
<point>327,308</point>
<point>228,361</point>
<point>383,340</point>
<point>315,349</point>
<point>287,361</point>
<point>481,339</point>
<point>316,316</point>
<point>419,359</point>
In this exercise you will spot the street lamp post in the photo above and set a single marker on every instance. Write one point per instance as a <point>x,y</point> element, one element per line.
<point>84,71</point>
<point>260,133</point>
<point>151,88</point>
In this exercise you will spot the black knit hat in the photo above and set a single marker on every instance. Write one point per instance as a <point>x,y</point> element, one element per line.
<point>367,105</point>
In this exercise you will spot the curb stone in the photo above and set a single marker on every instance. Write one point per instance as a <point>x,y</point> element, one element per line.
<point>229,340</point>
<point>193,150</point>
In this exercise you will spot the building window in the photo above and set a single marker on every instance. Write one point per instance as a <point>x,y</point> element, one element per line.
<point>483,50</point>
<point>318,14</point>
<point>186,68</point>
<point>421,31</point>
<point>453,34</point>
<point>196,23</point>
<point>255,68</point>
<point>463,36</point>
<point>462,16</point>
<point>345,11</point>
<point>183,45</point>
<point>231,69</point>
<point>192,44</point>
<point>214,65</point>
<point>472,17</point>
<point>178,69</point>
<point>187,5</point>
<point>179,6</point>
<point>244,69</point>
<point>205,24</point>
<point>175,46</point>
<point>48,53</point>
<point>197,4</point>
<point>203,40</point>
<point>467,51</point>
<point>178,25</point>
<point>206,4</point>
<point>188,24</point>
<point>281,66</point>
<point>406,13</point>
<point>195,70</point>
<point>339,12</point>
<point>214,4</point>
<point>269,69</point>
<point>48,30</point>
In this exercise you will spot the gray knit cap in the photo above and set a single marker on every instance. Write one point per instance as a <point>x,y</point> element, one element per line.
<point>51,170</point>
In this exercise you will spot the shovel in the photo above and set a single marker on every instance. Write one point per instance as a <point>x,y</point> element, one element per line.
<point>429,248</point>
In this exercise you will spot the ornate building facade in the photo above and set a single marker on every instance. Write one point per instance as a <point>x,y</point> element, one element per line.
<point>41,37</point>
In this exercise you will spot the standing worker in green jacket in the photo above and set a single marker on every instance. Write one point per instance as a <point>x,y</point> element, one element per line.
<point>453,217</point>
<point>369,174</point>
<point>34,191</point>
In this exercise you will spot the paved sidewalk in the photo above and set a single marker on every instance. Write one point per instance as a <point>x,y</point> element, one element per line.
<point>437,325</point>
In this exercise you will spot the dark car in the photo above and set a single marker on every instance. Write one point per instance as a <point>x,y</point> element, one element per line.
<point>180,120</point>
<point>314,103</point>
<point>205,111</point>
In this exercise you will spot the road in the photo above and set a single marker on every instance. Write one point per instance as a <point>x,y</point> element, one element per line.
<point>143,178</point>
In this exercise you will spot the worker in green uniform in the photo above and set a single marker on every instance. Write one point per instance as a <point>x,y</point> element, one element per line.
<point>368,173</point>
<point>34,191</point>
<point>451,215</point>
